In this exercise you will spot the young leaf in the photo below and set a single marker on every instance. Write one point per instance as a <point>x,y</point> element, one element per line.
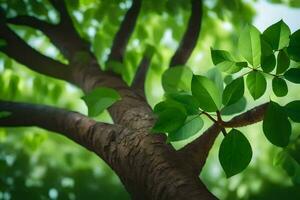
<point>249,45</point>
<point>283,62</point>
<point>192,125</point>
<point>233,92</point>
<point>224,61</point>
<point>256,84</point>
<point>188,101</point>
<point>278,35</point>
<point>276,125</point>
<point>293,75</point>
<point>235,153</point>
<point>4,114</point>
<point>99,99</point>
<point>171,116</point>
<point>215,75</point>
<point>293,110</point>
<point>206,92</point>
<point>294,47</point>
<point>177,79</point>
<point>279,87</point>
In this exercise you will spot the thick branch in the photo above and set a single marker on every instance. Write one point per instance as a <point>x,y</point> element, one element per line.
<point>198,149</point>
<point>17,49</point>
<point>252,116</point>
<point>190,37</point>
<point>63,36</point>
<point>126,29</point>
<point>79,128</point>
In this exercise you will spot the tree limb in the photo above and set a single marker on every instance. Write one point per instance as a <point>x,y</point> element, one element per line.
<point>140,76</point>
<point>125,31</point>
<point>190,37</point>
<point>63,35</point>
<point>197,151</point>
<point>17,49</point>
<point>79,128</point>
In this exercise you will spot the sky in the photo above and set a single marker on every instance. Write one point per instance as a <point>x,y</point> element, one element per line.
<point>268,14</point>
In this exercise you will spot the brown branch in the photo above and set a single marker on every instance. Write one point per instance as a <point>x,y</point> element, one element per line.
<point>125,31</point>
<point>140,76</point>
<point>190,37</point>
<point>63,35</point>
<point>17,49</point>
<point>252,116</point>
<point>79,128</point>
<point>197,151</point>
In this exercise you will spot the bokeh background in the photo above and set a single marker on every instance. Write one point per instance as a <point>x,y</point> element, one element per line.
<point>36,164</point>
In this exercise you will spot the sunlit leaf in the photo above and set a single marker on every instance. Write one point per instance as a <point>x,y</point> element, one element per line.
<point>100,99</point>
<point>192,125</point>
<point>224,61</point>
<point>177,79</point>
<point>256,84</point>
<point>278,35</point>
<point>206,92</point>
<point>249,45</point>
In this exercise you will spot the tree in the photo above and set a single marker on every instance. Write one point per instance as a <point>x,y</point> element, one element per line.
<point>135,145</point>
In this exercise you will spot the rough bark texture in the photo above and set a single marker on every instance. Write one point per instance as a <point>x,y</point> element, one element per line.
<point>147,166</point>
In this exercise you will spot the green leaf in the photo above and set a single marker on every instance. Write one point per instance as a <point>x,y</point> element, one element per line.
<point>293,75</point>
<point>279,87</point>
<point>233,92</point>
<point>192,125</point>
<point>100,99</point>
<point>293,110</point>
<point>268,63</point>
<point>278,35</point>
<point>215,75</point>
<point>206,92</point>
<point>188,101</point>
<point>235,108</point>
<point>171,116</point>
<point>283,62</point>
<point>268,59</point>
<point>235,153</point>
<point>249,45</point>
<point>256,84</point>
<point>177,79</point>
<point>2,42</point>
<point>276,125</point>
<point>294,47</point>
<point>4,114</point>
<point>224,61</point>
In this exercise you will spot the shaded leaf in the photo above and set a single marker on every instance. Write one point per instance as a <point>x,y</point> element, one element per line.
<point>294,47</point>
<point>235,153</point>
<point>233,92</point>
<point>293,110</point>
<point>192,125</point>
<point>276,125</point>
<point>293,75</point>
<point>279,87</point>
<point>283,62</point>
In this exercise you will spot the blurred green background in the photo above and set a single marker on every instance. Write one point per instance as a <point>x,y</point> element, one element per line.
<point>36,164</point>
